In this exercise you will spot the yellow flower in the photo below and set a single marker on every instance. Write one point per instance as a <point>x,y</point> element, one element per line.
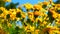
<point>32,28</point>
<point>57,5</point>
<point>30,16</point>
<point>46,30</point>
<point>50,1</point>
<point>44,22</point>
<point>45,3</point>
<point>18,10</point>
<point>58,8</point>
<point>28,6</point>
<point>54,15</point>
<point>39,20</point>
<point>47,18</point>
<point>39,7</point>
<point>54,30</point>
<point>23,16</point>
<point>30,13</point>
<point>7,0</point>
<point>32,19</point>
<point>3,12</point>
<point>12,17</point>
<point>59,16</point>
<point>36,13</point>
<point>41,14</point>
<point>49,25</point>
<point>58,22</point>
<point>2,8</point>
<point>29,28</point>
<point>9,25</point>
<point>12,14</point>
<point>3,16</point>
<point>37,31</point>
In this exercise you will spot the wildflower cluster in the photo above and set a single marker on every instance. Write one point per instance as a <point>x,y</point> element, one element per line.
<point>41,18</point>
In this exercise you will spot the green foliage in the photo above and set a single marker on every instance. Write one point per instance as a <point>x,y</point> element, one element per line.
<point>50,16</point>
<point>2,3</point>
<point>57,2</point>
<point>12,5</point>
<point>1,11</point>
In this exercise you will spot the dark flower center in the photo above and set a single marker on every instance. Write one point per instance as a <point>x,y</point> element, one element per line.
<point>1,11</point>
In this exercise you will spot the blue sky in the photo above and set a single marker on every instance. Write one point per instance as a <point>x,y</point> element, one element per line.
<point>29,1</point>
